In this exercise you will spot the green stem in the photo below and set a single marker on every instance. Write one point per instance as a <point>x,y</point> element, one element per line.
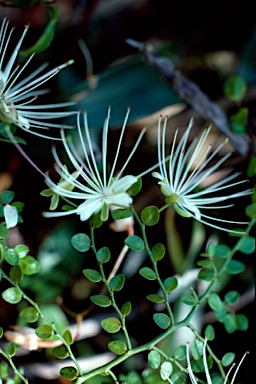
<point>111,293</point>
<point>154,264</point>
<point>27,298</point>
<point>15,370</point>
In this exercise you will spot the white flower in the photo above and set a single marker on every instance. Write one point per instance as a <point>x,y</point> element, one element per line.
<point>97,192</point>
<point>208,377</point>
<point>17,95</point>
<point>187,170</point>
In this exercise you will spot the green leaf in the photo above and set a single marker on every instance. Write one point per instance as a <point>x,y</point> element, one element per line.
<point>117,282</point>
<point>217,306</point>
<point>101,300</point>
<point>235,88</point>
<point>158,251</point>
<point>47,36</point>
<point>205,263</point>
<point>251,169</point>
<point>234,267</point>
<point>150,215</point>
<point>103,255</point>
<point>61,352</point>
<point>4,232</point>
<point>209,332</point>
<point>166,370</point>
<point>247,245</point>
<point>118,347</point>
<point>111,325</point>
<point>222,251</point>
<point>1,332</point>
<point>47,192</point>
<point>29,314</point>
<point>154,359</point>
<point>251,210</point>
<point>189,300</point>
<point>197,348</point>
<point>231,297</point>
<point>242,322</point>
<point>162,320</point>
<point>135,243</point>
<point>135,188</point>
<point>119,214</point>
<point>230,323</point>
<point>16,273</point>
<point>239,121</point>
<point>148,273</point>
<point>67,336</point>
<point>29,265</point>
<point>155,298</point>
<point>12,295</point>
<point>126,308</point>
<point>21,250</point>
<point>170,284</point>
<point>7,196</point>
<point>69,373</point>
<point>81,242</point>
<point>95,220</point>
<point>211,250</point>
<point>206,274</point>
<point>11,256</point>
<point>4,370</point>
<point>92,275</point>
<point>180,353</point>
<point>10,349</point>
<point>44,332</point>
<point>228,359</point>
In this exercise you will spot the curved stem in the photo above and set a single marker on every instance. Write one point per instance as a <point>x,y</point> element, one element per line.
<point>154,264</point>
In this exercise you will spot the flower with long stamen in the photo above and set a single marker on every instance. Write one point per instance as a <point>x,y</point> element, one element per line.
<point>185,169</point>
<point>194,380</point>
<point>97,192</point>
<point>17,96</point>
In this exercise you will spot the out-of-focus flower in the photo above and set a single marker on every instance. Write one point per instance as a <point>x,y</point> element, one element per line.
<point>207,373</point>
<point>97,191</point>
<point>185,169</point>
<point>17,96</point>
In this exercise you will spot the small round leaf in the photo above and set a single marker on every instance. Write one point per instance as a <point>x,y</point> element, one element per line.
<point>12,295</point>
<point>234,267</point>
<point>189,300</point>
<point>92,275</point>
<point>21,250</point>
<point>81,242</point>
<point>61,352</point>
<point>158,251</point>
<point>180,353</point>
<point>135,243</point>
<point>150,215</point>
<point>162,320</point>
<point>29,265</point>
<point>69,373</point>
<point>247,245</point>
<point>29,314</point>
<point>231,297</point>
<point>209,332</point>
<point>228,359</point>
<point>117,282</point>
<point>44,332</point>
<point>10,349</point>
<point>155,298</point>
<point>206,274</point>
<point>148,273</point>
<point>11,256</point>
<point>119,214</point>
<point>170,284</point>
<point>67,336</point>
<point>111,325</point>
<point>16,273</point>
<point>166,370</point>
<point>154,359</point>
<point>118,347</point>
<point>101,300</point>
<point>126,308</point>
<point>103,255</point>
